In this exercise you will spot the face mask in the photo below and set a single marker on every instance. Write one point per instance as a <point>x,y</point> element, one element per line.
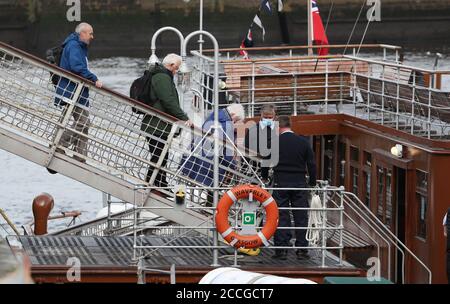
<point>267,122</point>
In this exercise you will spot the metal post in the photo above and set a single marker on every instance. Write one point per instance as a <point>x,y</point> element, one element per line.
<point>382,96</point>
<point>252,107</point>
<point>413,101</point>
<point>134,225</point>
<point>153,48</point>
<point>326,87</point>
<point>295,94</point>
<point>109,225</point>
<point>310,29</point>
<point>217,128</point>
<point>430,87</point>
<point>370,74</point>
<point>341,225</point>
<point>172,274</point>
<point>324,244</point>
<point>163,29</point>
<point>200,40</point>
<point>354,79</point>
<point>397,118</point>
<point>141,272</point>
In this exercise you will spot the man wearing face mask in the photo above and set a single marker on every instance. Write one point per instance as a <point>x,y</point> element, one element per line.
<point>258,138</point>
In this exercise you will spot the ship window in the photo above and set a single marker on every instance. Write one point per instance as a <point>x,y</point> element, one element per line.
<point>328,158</point>
<point>367,167</point>
<point>367,159</point>
<point>354,169</point>
<point>389,210</point>
<point>380,196</point>
<point>367,185</point>
<point>354,180</point>
<point>422,203</point>
<point>354,154</point>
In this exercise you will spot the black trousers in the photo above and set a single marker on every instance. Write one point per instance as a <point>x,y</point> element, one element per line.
<point>293,199</point>
<point>155,148</point>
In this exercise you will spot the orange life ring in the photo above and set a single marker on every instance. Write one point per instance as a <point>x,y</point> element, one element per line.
<point>247,241</point>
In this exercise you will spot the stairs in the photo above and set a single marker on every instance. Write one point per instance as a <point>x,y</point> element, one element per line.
<point>118,156</point>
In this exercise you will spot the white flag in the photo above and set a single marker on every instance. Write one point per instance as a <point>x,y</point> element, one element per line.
<point>280,5</point>
<point>259,23</point>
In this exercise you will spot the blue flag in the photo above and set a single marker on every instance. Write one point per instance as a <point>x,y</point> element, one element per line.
<point>265,4</point>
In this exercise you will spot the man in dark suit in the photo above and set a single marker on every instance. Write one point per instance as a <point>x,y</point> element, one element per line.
<point>296,159</point>
<point>258,138</point>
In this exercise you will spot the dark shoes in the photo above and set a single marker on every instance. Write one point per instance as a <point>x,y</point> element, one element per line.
<point>302,254</point>
<point>58,150</point>
<point>280,254</point>
<point>51,171</point>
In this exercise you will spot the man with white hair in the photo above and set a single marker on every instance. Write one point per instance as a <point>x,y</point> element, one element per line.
<point>164,97</point>
<point>74,59</point>
<point>202,170</point>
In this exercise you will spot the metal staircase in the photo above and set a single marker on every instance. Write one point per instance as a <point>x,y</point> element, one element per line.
<point>117,157</point>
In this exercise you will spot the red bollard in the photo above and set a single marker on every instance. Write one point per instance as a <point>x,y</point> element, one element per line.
<point>42,206</point>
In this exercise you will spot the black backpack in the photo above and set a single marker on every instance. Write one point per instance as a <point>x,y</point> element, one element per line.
<point>53,56</point>
<point>140,90</point>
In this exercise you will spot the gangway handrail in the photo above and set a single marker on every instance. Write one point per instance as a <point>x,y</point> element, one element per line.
<point>67,74</point>
<point>74,77</point>
<point>380,225</point>
<point>119,140</point>
<point>8,221</point>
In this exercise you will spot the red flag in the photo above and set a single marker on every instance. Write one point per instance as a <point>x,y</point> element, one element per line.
<point>319,35</point>
<point>246,43</point>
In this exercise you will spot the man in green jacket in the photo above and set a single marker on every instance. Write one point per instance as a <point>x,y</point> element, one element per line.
<point>165,99</point>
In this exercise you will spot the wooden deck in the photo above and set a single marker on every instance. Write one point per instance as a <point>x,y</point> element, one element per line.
<point>109,259</point>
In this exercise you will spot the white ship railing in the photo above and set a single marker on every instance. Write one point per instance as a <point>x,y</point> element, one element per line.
<point>339,209</point>
<point>175,231</point>
<point>391,94</point>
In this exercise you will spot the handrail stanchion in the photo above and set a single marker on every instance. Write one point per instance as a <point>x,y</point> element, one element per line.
<point>217,127</point>
<point>341,223</point>
<point>324,223</point>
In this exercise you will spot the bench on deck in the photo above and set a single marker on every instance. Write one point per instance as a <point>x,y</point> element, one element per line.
<point>275,81</point>
<point>397,90</point>
<point>285,89</point>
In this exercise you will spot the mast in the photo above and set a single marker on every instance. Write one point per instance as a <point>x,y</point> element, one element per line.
<point>310,28</point>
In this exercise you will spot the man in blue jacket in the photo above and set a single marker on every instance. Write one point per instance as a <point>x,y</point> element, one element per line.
<point>74,59</point>
<point>200,165</point>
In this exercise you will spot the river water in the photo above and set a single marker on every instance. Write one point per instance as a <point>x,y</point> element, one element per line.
<point>21,181</point>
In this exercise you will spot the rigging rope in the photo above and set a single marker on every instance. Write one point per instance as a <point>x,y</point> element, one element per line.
<point>315,220</point>
<point>364,35</point>
<point>354,26</point>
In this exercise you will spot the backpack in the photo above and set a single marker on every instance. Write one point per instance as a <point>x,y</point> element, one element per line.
<point>140,90</point>
<point>53,56</point>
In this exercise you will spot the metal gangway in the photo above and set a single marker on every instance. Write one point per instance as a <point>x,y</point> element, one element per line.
<point>118,143</point>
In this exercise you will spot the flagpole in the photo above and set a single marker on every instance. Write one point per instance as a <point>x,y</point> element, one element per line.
<point>201,27</point>
<point>310,28</point>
